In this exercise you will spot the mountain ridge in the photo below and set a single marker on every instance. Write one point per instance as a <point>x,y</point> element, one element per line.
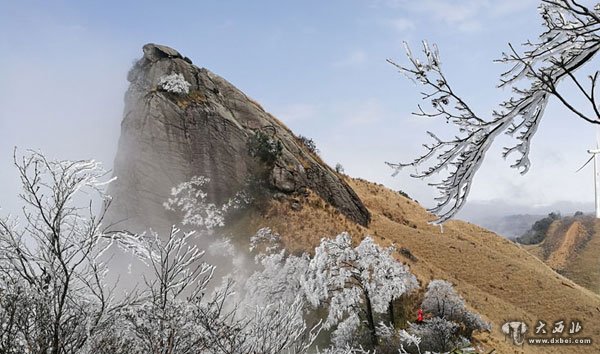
<point>168,138</point>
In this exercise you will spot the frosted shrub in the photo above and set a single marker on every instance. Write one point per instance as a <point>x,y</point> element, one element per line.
<point>266,239</point>
<point>174,83</point>
<point>344,350</point>
<point>364,279</point>
<point>437,334</point>
<point>190,199</point>
<point>441,300</point>
<point>264,147</point>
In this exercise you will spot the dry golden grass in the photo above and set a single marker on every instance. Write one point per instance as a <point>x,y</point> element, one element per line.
<point>584,268</point>
<point>572,247</point>
<point>301,230</point>
<point>499,279</point>
<point>573,238</point>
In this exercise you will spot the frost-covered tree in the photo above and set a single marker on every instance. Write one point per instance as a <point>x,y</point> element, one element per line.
<point>190,198</point>
<point>53,295</point>
<point>441,300</point>
<point>570,40</point>
<point>173,315</point>
<point>276,286</point>
<point>355,281</point>
<point>346,349</point>
<point>279,277</point>
<point>174,83</point>
<point>436,334</point>
<point>278,327</point>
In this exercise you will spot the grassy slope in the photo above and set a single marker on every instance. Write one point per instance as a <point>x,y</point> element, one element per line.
<point>499,279</point>
<point>571,247</point>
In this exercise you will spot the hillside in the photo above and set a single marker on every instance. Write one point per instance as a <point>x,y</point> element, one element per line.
<point>497,277</point>
<point>211,130</point>
<point>571,247</point>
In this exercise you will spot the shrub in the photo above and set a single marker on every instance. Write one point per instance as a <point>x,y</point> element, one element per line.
<point>309,144</point>
<point>174,83</point>
<point>441,300</point>
<point>264,147</point>
<point>437,334</point>
<point>404,194</point>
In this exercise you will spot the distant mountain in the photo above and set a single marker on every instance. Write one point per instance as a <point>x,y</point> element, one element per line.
<point>570,246</point>
<point>510,220</point>
<point>510,226</point>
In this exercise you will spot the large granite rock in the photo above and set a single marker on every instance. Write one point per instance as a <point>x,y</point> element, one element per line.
<point>166,138</point>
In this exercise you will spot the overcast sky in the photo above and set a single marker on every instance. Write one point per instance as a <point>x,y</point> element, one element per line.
<point>317,65</point>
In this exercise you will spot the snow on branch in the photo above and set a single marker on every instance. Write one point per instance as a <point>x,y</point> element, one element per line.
<point>190,199</point>
<point>569,42</point>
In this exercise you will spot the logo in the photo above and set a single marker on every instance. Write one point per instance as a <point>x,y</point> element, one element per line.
<point>559,332</point>
<point>516,330</point>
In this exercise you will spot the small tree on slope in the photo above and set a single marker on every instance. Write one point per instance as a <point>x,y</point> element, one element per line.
<point>355,281</point>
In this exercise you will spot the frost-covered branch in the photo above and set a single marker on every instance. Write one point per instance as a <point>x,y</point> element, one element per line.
<point>52,277</point>
<point>190,199</point>
<point>569,42</point>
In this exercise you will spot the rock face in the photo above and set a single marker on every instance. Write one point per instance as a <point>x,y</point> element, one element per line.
<point>167,138</point>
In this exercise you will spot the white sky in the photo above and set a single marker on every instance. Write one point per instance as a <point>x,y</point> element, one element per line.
<point>317,65</point>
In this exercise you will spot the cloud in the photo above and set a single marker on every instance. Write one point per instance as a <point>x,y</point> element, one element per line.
<point>464,15</point>
<point>353,58</point>
<point>63,102</point>
<point>401,24</point>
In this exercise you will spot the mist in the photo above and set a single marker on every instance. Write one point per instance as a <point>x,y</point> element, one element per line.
<point>510,219</point>
<point>61,93</point>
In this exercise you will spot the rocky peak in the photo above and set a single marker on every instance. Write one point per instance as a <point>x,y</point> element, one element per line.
<point>207,127</point>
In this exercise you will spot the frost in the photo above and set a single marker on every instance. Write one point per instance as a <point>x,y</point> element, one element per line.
<point>174,83</point>
<point>345,331</point>
<point>534,75</point>
<point>191,199</point>
<point>363,279</point>
<point>266,238</point>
